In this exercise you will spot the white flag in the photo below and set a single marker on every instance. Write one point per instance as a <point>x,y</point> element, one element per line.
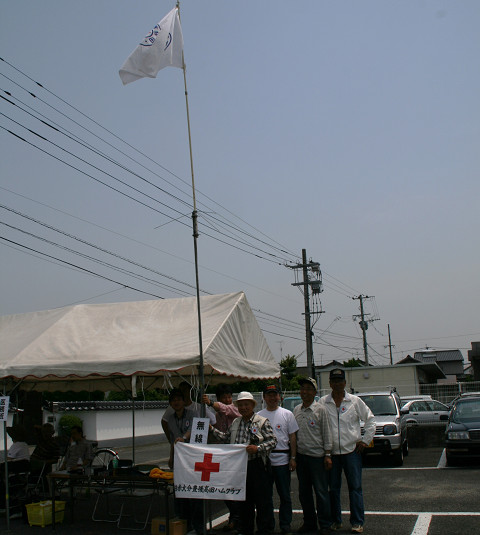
<point>210,471</point>
<point>162,47</point>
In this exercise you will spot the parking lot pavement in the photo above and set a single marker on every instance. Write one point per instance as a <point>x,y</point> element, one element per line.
<point>417,458</point>
<point>417,499</point>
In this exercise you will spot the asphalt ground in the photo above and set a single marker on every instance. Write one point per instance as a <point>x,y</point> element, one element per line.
<point>421,498</point>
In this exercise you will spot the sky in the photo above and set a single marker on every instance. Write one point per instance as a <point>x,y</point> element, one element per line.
<point>349,129</point>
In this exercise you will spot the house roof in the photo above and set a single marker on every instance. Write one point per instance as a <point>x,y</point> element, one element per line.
<point>407,360</point>
<point>430,367</point>
<point>439,356</point>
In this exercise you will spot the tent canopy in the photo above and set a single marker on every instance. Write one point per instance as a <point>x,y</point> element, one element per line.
<point>47,350</point>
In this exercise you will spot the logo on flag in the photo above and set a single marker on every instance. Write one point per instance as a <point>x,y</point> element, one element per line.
<point>150,38</point>
<point>162,47</point>
<point>210,471</point>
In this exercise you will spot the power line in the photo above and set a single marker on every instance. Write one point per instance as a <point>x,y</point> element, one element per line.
<point>135,189</point>
<point>141,243</point>
<point>89,147</point>
<point>79,267</point>
<point>111,133</point>
<point>283,249</point>
<point>103,250</point>
<point>97,260</point>
<point>270,256</point>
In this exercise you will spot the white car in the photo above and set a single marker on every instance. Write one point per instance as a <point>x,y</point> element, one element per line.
<point>425,412</point>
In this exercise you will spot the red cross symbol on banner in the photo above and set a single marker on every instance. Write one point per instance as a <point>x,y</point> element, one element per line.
<point>207,467</point>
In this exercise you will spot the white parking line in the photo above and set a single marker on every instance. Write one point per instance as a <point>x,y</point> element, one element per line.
<point>442,463</point>
<point>422,524</point>
<point>220,520</point>
<point>424,519</point>
<point>403,468</point>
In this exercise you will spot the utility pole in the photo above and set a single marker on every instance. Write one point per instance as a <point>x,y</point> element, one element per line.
<point>312,278</point>
<point>390,345</point>
<point>363,325</point>
<point>281,349</point>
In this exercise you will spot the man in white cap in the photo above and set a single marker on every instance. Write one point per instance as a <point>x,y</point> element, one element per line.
<point>314,458</point>
<point>256,432</point>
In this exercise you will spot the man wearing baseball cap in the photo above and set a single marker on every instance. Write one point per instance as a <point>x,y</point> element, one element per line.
<point>345,412</point>
<point>256,432</point>
<point>283,457</point>
<point>314,445</point>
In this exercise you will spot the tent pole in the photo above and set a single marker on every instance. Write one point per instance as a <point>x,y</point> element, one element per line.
<point>133,386</point>
<point>5,455</point>
<point>133,430</point>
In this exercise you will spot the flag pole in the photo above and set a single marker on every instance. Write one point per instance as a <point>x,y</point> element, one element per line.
<point>195,237</point>
<point>195,251</point>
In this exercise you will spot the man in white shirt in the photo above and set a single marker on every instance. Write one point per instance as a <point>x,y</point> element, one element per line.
<point>283,457</point>
<point>18,451</point>
<point>345,411</point>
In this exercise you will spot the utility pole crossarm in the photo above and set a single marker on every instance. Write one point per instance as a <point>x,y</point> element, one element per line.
<point>363,325</point>
<point>312,280</point>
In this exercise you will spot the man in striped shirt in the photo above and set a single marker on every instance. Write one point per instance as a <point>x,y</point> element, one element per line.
<point>314,458</point>
<point>256,432</point>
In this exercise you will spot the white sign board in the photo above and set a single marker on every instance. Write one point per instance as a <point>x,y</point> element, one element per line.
<point>4,402</point>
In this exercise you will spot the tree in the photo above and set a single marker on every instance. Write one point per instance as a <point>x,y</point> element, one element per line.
<point>288,370</point>
<point>353,363</point>
<point>288,367</point>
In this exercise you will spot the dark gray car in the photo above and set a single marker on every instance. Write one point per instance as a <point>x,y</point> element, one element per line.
<point>462,440</point>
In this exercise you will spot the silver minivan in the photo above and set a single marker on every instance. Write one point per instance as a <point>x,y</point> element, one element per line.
<point>391,427</point>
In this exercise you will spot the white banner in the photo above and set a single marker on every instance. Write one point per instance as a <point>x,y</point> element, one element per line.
<point>210,471</point>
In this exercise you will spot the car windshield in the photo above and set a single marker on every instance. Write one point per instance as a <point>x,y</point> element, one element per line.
<point>467,411</point>
<point>381,405</point>
<point>290,403</point>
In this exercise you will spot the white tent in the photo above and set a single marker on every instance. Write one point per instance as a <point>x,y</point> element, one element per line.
<point>58,349</point>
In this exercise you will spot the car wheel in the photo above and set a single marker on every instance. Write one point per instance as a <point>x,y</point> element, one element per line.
<point>405,448</point>
<point>398,456</point>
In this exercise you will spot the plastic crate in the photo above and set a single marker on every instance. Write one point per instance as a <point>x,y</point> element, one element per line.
<point>40,513</point>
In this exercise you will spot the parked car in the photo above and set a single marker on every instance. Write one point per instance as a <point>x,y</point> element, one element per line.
<point>406,399</point>
<point>463,395</point>
<point>391,427</point>
<point>462,439</point>
<point>292,401</point>
<point>425,412</point>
